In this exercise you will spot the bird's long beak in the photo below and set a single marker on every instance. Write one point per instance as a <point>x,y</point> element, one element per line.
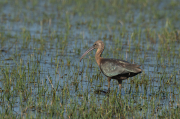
<point>89,50</point>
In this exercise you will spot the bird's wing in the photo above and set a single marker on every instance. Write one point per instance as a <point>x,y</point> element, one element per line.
<point>114,67</point>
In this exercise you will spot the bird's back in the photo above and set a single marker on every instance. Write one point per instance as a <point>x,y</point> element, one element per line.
<point>115,67</point>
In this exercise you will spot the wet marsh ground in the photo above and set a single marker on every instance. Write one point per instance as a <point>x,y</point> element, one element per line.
<point>41,43</point>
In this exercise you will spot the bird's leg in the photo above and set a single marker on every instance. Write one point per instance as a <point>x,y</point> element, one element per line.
<point>109,79</point>
<point>120,82</point>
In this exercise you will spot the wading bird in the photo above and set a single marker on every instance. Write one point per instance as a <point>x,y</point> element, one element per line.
<point>113,68</point>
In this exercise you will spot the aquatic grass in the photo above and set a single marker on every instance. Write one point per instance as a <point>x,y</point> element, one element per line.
<point>50,45</point>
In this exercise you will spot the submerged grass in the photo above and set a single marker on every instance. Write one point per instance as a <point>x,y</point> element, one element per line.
<point>41,43</point>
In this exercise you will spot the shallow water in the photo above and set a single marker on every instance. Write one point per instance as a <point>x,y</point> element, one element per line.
<point>43,41</point>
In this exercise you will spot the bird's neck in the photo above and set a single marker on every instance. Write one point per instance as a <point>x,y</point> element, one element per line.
<point>98,55</point>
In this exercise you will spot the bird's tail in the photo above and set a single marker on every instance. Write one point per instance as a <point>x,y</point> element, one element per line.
<point>137,70</point>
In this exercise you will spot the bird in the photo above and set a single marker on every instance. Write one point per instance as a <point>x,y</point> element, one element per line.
<point>113,68</point>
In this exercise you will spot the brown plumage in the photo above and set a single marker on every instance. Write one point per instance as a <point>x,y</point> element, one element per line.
<point>113,68</point>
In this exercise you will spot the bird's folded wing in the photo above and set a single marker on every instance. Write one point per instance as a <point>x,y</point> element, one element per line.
<point>113,67</point>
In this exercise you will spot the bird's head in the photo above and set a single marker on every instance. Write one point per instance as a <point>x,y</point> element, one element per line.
<point>97,45</point>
